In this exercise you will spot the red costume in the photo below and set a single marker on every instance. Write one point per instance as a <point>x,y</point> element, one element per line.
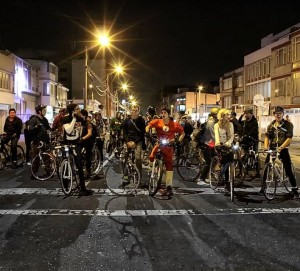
<point>167,132</point>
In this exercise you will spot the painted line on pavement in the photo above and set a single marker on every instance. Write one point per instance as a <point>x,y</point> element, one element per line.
<point>139,213</point>
<point>120,191</point>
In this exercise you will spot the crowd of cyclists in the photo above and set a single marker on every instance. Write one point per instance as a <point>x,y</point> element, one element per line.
<point>81,128</point>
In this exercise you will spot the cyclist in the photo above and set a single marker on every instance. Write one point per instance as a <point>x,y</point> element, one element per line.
<point>208,143</point>
<point>279,136</point>
<point>86,141</point>
<point>151,113</point>
<point>72,125</point>
<point>224,135</point>
<point>134,131</point>
<point>188,131</point>
<point>57,125</point>
<point>38,128</point>
<point>249,127</point>
<point>12,129</point>
<point>101,132</point>
<point>116,126</point>
<point>166,129</point>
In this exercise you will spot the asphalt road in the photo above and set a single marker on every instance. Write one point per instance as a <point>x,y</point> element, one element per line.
<point>197,229</point>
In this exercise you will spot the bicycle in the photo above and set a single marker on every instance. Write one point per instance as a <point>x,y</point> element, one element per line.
<point>6,155</point>
<point>43,165</point>
<point>247,159</point>
<point>273,175</point>
<point>158,168</point>
<point>96,158</point>
<point>129,168</point>
<point>114,145</point>
<point>67,169</point>
<point>189,164</point>
<point>220,163</point>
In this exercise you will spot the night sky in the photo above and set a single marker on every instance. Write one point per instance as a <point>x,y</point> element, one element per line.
<point>166,42</point>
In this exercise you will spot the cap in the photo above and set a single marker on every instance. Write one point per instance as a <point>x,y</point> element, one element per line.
<point>248,110</point>
<point>40,107</point>
<point>278,109</point>
<point>214,111</point>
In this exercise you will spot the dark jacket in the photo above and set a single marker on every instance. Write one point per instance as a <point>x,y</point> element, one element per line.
<point>249,128</point>
<point>134,129</point>
<point>13,127</point>
<point>38,127</point>
<point>277,135</point>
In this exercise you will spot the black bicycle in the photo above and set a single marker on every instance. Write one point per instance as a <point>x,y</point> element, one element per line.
<point>6,155</point>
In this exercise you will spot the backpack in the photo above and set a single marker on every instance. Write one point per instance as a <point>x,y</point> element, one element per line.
<point>199,135</point>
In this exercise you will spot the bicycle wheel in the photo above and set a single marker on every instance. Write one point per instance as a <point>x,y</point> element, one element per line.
<point>232,180</point>
<point>269,182</point>
<point>134,176</point>
<point>215,172</point>
<point>20,156</point>
<point>189,167</point>
<point>43,166</point>
<point>96,161</point>
<point>286,181</point>
<point>155,177</point>
<point>66,176</point>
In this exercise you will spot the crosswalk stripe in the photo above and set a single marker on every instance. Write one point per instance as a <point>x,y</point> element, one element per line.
<point>126,191</point>
<point>139,213</point>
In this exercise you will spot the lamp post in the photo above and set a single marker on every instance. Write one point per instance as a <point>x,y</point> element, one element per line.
<point>103,40</point>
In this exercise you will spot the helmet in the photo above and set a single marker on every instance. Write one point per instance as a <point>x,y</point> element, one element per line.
<point>278,109</point>
<point>151,110</point>
<point>248,110</point>
<point>40,107</point>
<point>214,111</point>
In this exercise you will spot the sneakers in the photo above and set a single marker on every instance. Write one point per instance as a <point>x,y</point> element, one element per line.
<point>86,192</point>
<point>295,193</point>
<point>166,191</point>
<point>28,164</point>
<point>201,182</point>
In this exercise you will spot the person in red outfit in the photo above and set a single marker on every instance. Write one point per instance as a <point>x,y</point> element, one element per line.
<point>166,129</point>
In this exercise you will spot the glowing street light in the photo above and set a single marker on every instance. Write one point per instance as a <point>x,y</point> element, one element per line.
<point>104,41</point>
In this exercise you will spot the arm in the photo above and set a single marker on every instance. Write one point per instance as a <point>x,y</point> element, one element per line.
<point>231,135</point>
<point>217,134</point>
<point>89,132</point>
<point>70,126</point>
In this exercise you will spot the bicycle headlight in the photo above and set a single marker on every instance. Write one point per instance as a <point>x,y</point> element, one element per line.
<point>164,142</point>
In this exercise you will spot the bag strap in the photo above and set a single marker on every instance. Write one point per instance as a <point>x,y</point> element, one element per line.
<point>135,125</point>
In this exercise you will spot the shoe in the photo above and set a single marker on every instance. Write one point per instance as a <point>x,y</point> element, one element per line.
<point>28,164</point>
<point>86,192</point>
<point>14,166</point>
<point>201,182</point>
<point>169,191</point>
<point>295,193</point>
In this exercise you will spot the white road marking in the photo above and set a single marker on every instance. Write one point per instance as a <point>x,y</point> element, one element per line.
<point>139,213</point>
<point>120,191</point>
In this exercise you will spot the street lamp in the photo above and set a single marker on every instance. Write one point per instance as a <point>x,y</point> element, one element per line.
<point>104,41</point>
